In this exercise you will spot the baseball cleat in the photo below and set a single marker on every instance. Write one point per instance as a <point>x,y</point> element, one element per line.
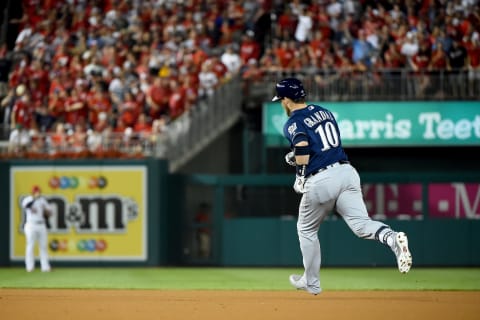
<point>400,248</point>
<point>299,283</point>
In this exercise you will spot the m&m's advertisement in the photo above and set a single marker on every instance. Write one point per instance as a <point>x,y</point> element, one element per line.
<point>98,212</point>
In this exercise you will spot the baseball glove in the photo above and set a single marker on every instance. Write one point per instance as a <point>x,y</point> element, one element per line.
<point>46,213</point>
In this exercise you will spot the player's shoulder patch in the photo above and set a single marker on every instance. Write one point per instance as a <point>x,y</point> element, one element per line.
<point>292,128</point>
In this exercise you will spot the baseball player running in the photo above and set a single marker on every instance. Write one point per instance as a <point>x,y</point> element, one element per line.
<point>326,181</point>
<point>36,209</point>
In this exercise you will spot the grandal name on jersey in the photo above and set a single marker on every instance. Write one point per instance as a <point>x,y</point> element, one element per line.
<point>318,117</point>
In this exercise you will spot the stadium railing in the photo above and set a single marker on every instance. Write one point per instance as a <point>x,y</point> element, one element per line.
<point>383,84</point>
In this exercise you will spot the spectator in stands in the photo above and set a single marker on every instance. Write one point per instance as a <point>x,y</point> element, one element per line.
<point>78,139</point>
<point>176,103</point>
<point>473,65</point>
<point>38,80</point>
<point>75,108</point>
<point>207,80</point>
<point>190,87</point>
<point>218,68</point>
<point>19,140</point>
<point>419,63</point>
<point>269,62</point>
<point>157,138</point>
<point>98,102</point>
<point>361,51</point>
<point>94,140</point>
<point>231,60</point>
<point>102,122</point>
<point>396,13</point>
<point>409,46</point>
<point>457,56</point>
<point>303,30</point>
<point>252,75</point>
<point>22,111</point>
<point>253,72</point>
<point>392,57</point>
<point>142,128</point>
<point>128,110</point>
<point>318,47</point>
<point>117,87</point>
<point>456,65</point>
<point>7,104</point>
<point>285,25</point>
<point>57,141</point>
<point>285,53</point>
<point>157,97</point>
<point>248,47</point>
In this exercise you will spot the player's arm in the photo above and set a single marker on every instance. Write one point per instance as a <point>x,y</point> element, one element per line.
<point>47,208</point>
<point>302,157</point>
<point>302,153</point>
<point>301,149</point>
<point>293,158</point>
<point>28,202</point>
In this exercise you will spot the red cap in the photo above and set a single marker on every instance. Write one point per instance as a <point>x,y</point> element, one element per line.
<point>36,189</point>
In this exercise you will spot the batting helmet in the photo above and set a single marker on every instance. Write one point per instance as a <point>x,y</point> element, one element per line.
<point>291,88</point>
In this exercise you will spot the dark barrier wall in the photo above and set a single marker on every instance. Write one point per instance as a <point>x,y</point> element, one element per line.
<point>444,231</point>
<point>269,241</point>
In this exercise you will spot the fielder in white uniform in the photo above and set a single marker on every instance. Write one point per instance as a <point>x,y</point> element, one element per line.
<point>36,208</point>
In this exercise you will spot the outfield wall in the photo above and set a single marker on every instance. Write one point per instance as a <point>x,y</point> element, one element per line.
<point>133,212</point>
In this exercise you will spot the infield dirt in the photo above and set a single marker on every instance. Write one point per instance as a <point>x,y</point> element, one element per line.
<point>68,304</point>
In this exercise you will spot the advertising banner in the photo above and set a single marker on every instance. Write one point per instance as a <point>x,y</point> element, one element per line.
<point>390,124</point>
<point>404,201</point>
<point>99,212</point>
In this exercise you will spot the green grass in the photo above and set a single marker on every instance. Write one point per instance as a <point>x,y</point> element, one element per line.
<point>240,278</point>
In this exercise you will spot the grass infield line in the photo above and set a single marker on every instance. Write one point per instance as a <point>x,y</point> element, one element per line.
<point>166,278</point>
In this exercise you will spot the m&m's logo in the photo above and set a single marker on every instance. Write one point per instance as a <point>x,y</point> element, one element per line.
<point>72,182</point>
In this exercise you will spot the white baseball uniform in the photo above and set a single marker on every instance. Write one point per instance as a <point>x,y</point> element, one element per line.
<point>36,231</point>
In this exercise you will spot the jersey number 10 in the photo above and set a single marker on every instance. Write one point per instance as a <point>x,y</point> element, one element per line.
<point>329,135</point>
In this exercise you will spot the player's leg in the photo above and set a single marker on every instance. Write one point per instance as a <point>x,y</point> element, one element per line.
<point>314,206</point>
<point>29,247</point>
<point>351,207</point>
<point>43,246</point>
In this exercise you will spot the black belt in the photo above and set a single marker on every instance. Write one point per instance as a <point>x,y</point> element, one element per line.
<point>329,166</point>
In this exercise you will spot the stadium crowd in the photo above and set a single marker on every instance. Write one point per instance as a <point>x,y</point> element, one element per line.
<point>86,69</point>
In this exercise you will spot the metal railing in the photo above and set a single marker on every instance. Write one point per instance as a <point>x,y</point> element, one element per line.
<point>212,116</point>
<point>33,145</point>
<point>383,84</point>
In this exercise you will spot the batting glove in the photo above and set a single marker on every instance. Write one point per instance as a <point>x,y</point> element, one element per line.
<point>299,185</point>
<point>290,159</point>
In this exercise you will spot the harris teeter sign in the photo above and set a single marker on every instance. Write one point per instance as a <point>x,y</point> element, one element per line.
<point>390,124</point>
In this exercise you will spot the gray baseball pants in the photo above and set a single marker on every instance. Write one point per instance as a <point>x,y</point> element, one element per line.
<point>336,188</point>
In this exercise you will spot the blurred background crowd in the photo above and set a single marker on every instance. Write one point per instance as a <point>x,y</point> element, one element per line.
<point>80,70</point>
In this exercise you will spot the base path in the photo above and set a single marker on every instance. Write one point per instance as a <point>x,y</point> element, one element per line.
<point>93,304</point>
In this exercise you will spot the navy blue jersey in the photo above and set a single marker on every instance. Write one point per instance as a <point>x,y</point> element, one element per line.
<point>318,127</point>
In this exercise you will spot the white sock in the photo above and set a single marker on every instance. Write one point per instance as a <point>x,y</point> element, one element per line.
<point>386,236</point>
